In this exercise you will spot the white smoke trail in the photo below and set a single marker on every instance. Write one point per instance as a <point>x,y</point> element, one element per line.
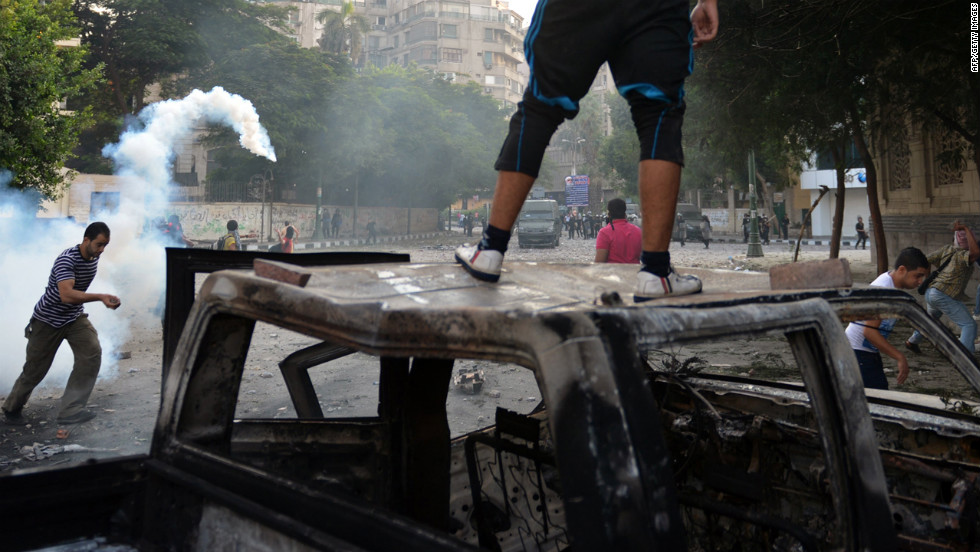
<point>133,265</point>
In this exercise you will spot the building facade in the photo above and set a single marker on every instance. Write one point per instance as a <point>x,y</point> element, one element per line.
<point>819,172</point>
<point>478,41</point>
<point>920,196</point>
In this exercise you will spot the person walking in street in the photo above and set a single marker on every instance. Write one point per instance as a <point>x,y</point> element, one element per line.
<point>746,223</point>
<point>784,226</point>
<point>681,229</point>
<point>60,316</point>
<point>955,262</point>
<point>648,47</point>
<point>619,241</point>
<point>705,230</point>
<point>862,236</point>
<point>230,241</point>
<point>174,233</point>
<point>774,226</point>
<point>287,237</point>
<point>335,223</point>
<point>372,231</point>
<point>763,229</point>
<point>869,338</point>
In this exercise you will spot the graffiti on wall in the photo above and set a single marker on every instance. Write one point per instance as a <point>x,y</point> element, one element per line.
<point>203,221</point>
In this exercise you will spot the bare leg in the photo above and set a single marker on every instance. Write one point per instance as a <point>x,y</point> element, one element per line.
<point>660,182</point>
<point>508,198</point>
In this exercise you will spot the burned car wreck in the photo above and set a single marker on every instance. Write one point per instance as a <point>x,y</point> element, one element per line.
<point>629,448</point>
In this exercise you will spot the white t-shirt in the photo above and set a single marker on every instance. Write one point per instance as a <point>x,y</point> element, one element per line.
<point>855,330</point>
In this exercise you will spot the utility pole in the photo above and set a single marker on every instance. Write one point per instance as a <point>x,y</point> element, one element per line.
<point>317,227</point>
<point>755,246</point>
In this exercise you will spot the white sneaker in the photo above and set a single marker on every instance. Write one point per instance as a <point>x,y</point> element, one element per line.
<point>483,264</point>
<point>650,286</point>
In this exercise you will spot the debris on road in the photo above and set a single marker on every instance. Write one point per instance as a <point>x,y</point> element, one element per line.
<point>469,380</point>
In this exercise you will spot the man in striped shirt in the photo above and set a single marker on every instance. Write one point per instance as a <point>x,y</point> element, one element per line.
<point>59,316</point>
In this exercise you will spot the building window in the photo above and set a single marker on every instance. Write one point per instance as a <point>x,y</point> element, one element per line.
<point>380,21</point>
<point>488,35</point>
<point>899,167</point>
<point>948,168</point>
<point>448,31</point>
<point>426,30</point>
<point>453,55</point>
<point>395,41</point>
<point>102,203</point>
<point>488,60</point>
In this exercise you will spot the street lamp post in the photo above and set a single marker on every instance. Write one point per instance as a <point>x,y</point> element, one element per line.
<point>270,179</point>
<point>755,246</point>
<point>575,147</point>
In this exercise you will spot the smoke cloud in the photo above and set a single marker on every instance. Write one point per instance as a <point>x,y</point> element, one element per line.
<point>133,265</point>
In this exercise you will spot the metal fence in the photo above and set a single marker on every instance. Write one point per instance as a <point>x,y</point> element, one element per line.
<point>240,192</point>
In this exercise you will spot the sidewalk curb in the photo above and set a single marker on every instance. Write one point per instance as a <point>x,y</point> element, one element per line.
<point>805,241</point>
<point>344,242</point>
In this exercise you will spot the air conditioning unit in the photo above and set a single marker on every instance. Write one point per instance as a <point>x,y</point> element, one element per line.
<point>488,66</point>
<point>487,90</point>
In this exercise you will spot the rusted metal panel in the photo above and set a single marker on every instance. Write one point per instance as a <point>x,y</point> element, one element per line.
<point>285,273</point>
<point>184,264</point>
<point>829,273</point>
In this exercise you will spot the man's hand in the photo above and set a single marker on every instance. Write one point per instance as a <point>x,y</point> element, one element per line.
<point>110,301</point>
<point>903,370</point>
<point>704,20</point>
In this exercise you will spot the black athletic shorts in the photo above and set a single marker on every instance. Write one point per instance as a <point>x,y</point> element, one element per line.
<point>648,46</point>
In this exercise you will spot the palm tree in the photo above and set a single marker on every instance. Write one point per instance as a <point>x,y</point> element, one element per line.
<point>342,31</point>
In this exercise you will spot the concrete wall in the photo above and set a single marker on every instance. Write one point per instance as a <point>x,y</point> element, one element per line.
<point>207,221</point>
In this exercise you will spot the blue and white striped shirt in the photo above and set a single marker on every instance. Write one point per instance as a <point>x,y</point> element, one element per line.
<point>70,265</point>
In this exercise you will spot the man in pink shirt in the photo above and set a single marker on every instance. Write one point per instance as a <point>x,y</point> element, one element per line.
<point>618,241</point>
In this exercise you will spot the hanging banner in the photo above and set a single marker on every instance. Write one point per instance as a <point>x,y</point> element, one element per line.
<point>577,190</point>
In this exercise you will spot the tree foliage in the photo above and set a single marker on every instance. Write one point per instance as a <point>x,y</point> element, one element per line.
<point>343,31</point>
<point>815,76</point>
<point>153,42</point>
<point>36,137</point>
<point>408,137</point>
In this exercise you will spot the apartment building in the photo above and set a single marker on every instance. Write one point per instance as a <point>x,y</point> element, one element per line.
<point>478,41</point>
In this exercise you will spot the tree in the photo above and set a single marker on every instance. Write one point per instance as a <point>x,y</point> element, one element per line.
<point>820,74</point>
<point>36,137</point>
<point>408,136</point>
<point>619,153</point>
<point>343,31</point>
<point>151,42</point>
<point>929,74</point>
<point>290,93</point>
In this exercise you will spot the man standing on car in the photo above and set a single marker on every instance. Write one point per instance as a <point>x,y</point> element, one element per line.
<point>648,47</point>
<point>59,316</point>
<point>943,295</point>
<point>869,338</point>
